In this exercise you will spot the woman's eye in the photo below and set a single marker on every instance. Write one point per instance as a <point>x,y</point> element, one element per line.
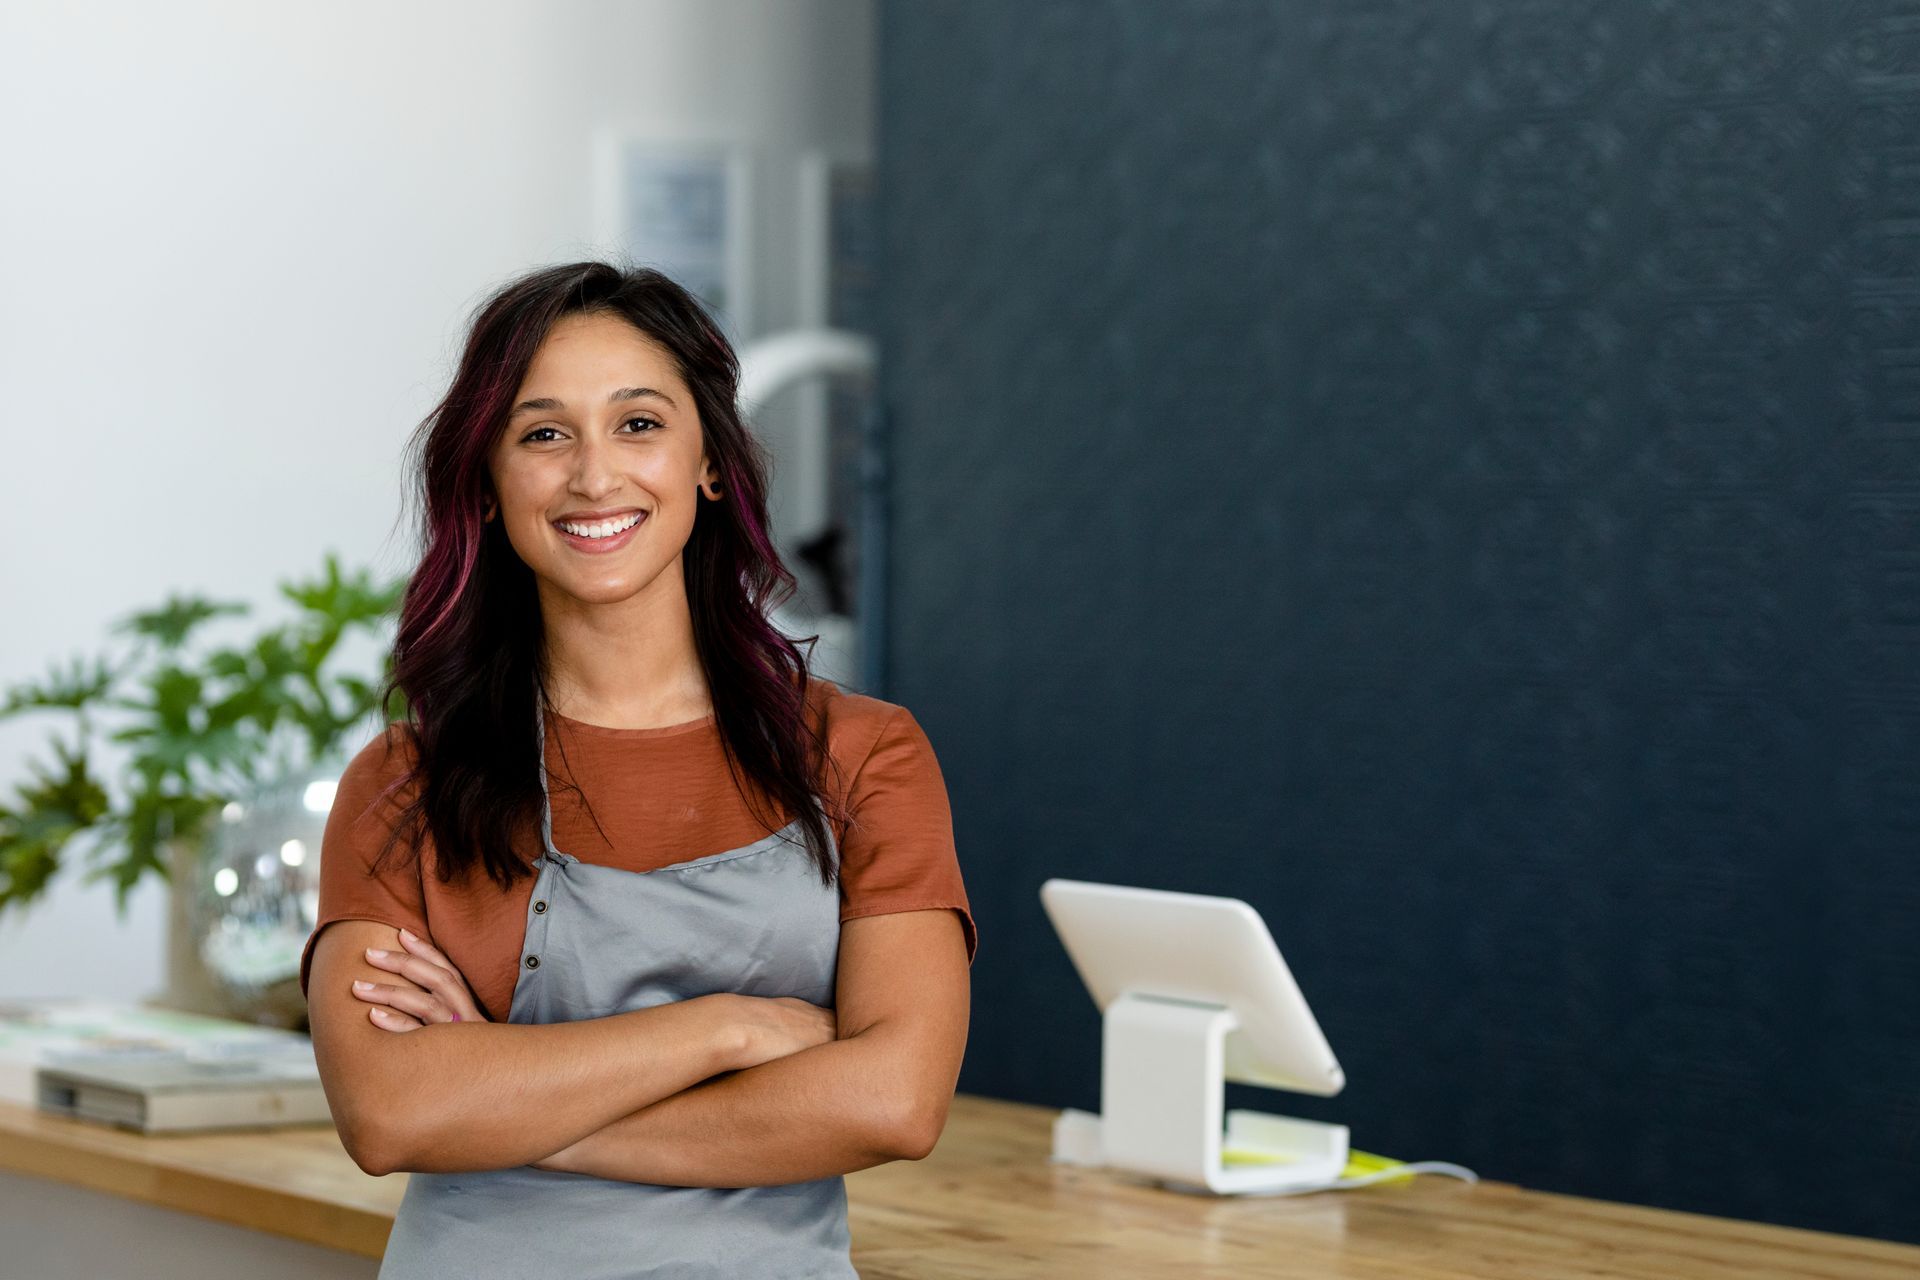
<point>534,436</point>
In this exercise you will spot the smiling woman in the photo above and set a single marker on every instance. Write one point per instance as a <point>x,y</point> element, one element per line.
<point>657,935</point>
<point>584,480</point>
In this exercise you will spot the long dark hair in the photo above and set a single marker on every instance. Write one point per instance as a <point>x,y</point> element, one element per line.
<point>469,655</point>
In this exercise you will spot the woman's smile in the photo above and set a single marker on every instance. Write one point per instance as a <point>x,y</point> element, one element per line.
<point>598,537</point>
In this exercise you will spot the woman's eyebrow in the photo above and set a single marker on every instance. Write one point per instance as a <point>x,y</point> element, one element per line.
<point>547,403</point>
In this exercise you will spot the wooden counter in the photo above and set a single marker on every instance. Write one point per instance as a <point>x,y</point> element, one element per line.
<point>988,1204</point>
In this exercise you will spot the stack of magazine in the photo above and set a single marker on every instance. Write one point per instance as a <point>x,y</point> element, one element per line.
<point>155,1070</point>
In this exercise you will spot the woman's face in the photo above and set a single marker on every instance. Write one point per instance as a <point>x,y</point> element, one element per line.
<point>603,433</point>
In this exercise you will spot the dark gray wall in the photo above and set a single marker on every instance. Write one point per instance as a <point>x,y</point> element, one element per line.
<point>1448,474</point>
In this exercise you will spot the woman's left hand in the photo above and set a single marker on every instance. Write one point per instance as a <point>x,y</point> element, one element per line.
<point>437,992</point>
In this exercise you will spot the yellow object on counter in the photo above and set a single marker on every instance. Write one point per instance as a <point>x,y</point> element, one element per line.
<point>1359,1163</point>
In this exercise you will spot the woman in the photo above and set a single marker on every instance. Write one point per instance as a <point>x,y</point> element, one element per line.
<point>633,937</point>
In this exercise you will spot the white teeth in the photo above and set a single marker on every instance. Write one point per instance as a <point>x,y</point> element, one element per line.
<point>604,529</point>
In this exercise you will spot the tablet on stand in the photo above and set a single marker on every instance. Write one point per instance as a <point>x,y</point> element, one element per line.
<point>1193,992</point>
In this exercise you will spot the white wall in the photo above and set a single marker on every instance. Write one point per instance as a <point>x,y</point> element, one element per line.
<point>236,244</point>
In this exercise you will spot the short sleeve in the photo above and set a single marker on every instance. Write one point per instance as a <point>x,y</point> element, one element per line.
<point>357,827</point>
<point>898,853</point>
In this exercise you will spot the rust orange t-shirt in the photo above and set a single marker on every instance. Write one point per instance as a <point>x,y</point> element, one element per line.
<point>663,796</point>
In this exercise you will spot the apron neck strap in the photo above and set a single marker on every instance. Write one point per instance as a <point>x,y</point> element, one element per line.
<point>540,763</point>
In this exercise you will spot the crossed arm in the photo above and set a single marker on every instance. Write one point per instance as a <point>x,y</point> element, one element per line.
<point>877,1092</point>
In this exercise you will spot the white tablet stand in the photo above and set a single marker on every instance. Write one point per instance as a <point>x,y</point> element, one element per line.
<point>1193,992</point>
<point>1162,1091</point>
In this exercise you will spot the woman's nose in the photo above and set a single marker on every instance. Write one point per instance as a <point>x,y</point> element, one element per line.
<point>593,467</point>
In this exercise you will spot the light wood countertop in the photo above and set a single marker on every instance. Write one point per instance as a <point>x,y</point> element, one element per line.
<point>988,1204</point>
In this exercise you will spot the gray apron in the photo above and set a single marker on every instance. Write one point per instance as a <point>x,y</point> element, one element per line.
<point>754,920</point>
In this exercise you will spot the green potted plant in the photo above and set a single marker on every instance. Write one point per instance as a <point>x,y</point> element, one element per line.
<point>208,729</point>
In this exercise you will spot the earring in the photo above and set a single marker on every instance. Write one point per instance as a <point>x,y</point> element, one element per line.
<point>711,492</point>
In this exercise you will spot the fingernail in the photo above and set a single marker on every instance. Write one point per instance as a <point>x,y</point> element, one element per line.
<point>362,986</point>
<point>376,953</point>
<point>411,937</point>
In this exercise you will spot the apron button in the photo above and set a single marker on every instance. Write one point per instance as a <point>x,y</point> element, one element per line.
<point>533,962</point>
<point>539,907</point>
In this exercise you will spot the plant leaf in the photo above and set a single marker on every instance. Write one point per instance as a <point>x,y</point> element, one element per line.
<point>77,686</point>
<point>170,624</point>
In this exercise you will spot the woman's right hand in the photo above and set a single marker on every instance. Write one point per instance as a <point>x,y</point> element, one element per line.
<point>774,1026</point>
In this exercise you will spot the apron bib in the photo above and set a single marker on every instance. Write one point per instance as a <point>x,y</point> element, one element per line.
<point>599,941</point>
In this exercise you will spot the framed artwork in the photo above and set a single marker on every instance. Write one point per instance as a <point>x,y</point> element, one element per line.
<point>685,208</point>
<point>837,250</point>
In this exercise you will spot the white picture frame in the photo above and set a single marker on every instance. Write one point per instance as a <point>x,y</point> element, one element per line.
<point>684,207</point>
<point>836,270</point>
<point>835,256</point>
